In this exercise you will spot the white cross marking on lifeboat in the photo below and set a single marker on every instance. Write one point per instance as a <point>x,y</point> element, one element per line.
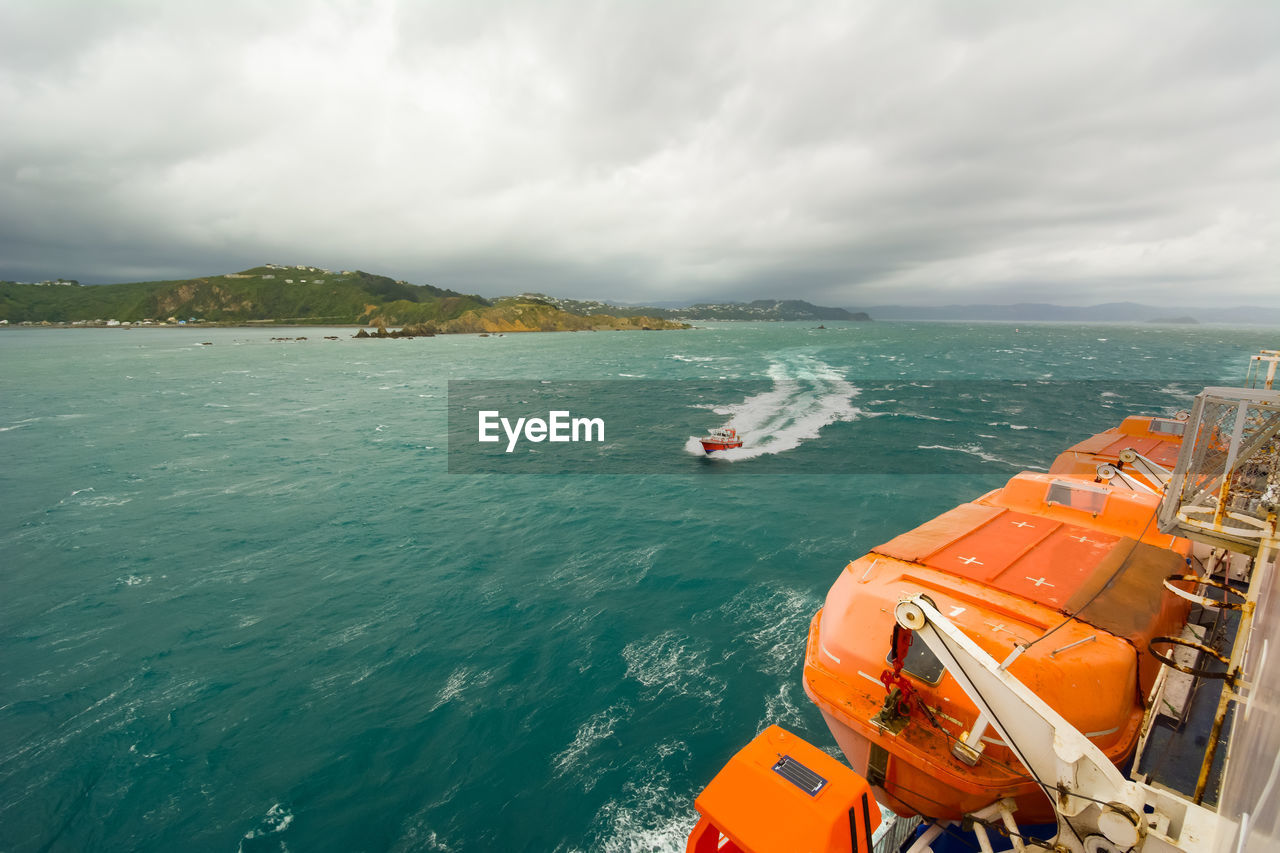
<point>970,560</point>
<point>1040,582</point>
<point>1084,539</point>
<point>999,627</point>
<point>1023,524</point>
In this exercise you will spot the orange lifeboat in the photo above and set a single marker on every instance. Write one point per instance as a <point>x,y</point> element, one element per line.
<point>781,794</point>
<point>1158,439</point>
<point>1077,563</point>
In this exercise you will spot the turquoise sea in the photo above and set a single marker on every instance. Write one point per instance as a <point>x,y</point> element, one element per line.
<point>246,605</point>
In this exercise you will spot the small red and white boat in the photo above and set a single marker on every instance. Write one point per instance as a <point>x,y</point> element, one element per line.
<point>720,438</point>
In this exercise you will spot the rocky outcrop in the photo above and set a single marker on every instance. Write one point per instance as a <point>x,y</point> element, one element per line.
<point>417,330</point>
<point>518,315</point>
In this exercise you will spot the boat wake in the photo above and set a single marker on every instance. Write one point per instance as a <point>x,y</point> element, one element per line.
<point>807,395</point>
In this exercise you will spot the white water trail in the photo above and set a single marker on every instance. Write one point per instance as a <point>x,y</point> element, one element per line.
<point>807,395</point>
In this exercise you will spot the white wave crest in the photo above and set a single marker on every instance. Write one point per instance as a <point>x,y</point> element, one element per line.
<point>459,680</point>
<point>648,815</point>
<point>775,623</point>
<point>781,709</point>
<point>634,831</point>
<point>673,663</point>
<point>976,450</point>
<point>598,728</point>
<point>276,820</point>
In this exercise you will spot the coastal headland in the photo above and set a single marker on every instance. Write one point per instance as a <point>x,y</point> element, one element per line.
<point>301,295</point>
<point>295,296</point>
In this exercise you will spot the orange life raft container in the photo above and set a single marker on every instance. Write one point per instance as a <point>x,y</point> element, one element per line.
<point>781,794</point>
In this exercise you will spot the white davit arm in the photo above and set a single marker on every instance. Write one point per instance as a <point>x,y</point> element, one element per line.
<point>1151,476</point>
<point>1098,809</point>
<point>1109,473</point>
<point>1155,473</point>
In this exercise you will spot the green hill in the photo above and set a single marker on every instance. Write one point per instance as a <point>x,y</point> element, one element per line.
<point>267,293</point>
<point>524,314</point>
<point>296,295</point>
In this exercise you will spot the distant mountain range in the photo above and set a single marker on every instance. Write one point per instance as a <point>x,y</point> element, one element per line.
<point>759,309</point>
<point>1025,312</point>
<point>1113,312</point>
<point>274,293</point>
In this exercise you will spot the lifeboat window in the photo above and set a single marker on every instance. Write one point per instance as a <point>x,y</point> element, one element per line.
<point>1167,427</point>
<point>920,662</point>
<point>1077,496</point>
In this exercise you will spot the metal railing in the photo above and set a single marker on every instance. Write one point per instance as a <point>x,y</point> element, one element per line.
<point>1225,489</point>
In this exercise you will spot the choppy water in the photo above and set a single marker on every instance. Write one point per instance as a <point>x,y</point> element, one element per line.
<point>245,607</point>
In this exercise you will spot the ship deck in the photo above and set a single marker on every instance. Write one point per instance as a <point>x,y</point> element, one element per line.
<point>1178,741</point>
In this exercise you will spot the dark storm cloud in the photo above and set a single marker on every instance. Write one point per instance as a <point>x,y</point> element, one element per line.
<point>847,153</point>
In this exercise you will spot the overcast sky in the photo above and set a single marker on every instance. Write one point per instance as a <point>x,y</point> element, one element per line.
<point>852,154</point>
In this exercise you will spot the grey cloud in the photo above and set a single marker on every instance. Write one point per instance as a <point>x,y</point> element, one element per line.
<point>851,154</point>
